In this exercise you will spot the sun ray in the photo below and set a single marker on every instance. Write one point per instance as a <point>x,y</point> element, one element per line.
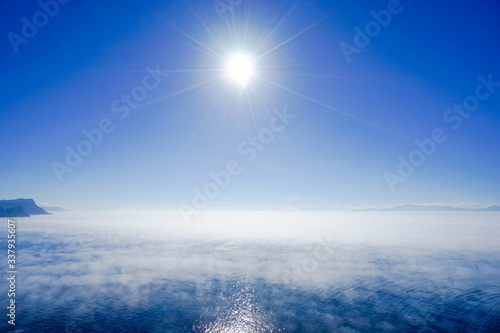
<point>268,111</point>
<point>193,134</point>
<point>206,28</point>
<point>192,38</point>
<point>146,71</point>
<point>251,111</point>
<point>364,78</point>
<point>232,32</point>
<point>276,27</point>
<point>192,70</point>
<point>246,31</point>
<point>292,38</point>
<point>260,99</point>
<point>210,81</point>
<point>192,45</point>
<point>264,105</point>
<point>333,108</point>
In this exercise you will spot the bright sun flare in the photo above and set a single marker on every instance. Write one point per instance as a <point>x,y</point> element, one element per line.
<point>240,70</point>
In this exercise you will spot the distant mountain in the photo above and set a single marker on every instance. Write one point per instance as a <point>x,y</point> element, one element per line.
<point>494,208</point>
<point>431,208</point>
<point>13,212</point>
<point>20,208</point>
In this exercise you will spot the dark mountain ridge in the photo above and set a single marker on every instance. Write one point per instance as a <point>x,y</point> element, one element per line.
<point>20,208</point>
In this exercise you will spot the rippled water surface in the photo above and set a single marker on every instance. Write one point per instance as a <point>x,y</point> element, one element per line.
<point>264,272</point>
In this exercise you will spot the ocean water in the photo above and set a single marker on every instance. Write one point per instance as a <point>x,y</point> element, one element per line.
<point>256,272</point>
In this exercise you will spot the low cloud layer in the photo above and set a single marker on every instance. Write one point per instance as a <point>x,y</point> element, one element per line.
<point>257,274</point>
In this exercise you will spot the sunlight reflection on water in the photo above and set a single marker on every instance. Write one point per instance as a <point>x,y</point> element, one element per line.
<point>242,315</point>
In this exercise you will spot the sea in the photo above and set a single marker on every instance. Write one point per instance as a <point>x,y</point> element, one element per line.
<point>255,271</point>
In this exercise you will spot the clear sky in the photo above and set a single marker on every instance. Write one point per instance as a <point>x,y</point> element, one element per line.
<point>356,102</point>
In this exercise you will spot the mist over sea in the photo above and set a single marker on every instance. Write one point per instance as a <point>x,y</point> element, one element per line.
<point>257,272</point>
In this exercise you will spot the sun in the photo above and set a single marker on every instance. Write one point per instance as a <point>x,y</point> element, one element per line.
<point>239,69</point>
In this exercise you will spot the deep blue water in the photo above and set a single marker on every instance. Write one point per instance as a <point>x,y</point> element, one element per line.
<point>226,306</point>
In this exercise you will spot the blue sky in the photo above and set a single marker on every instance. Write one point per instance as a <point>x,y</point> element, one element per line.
<point>64,79</point>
